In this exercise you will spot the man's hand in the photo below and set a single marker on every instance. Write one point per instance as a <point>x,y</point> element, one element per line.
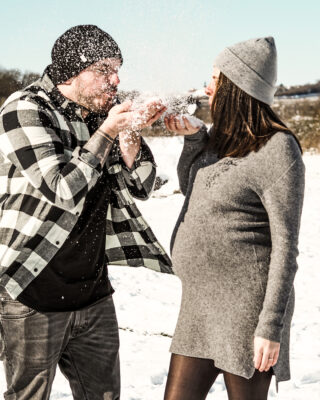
<point>125,122</point>
<point>119,119</point>
<point>147,114</point>
<point>266,353</point>
<point>173,124</point>
<point>122,118</point>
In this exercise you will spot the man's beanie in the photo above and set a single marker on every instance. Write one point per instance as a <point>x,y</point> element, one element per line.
<point>78,48</point>
<point>252,66</point>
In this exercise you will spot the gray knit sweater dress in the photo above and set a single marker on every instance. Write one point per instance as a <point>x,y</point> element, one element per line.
<point>234,248</point>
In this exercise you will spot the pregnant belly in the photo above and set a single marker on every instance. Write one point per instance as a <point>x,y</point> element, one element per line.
<point>213,259</point>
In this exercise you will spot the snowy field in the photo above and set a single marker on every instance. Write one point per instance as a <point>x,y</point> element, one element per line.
<point>147,303</point>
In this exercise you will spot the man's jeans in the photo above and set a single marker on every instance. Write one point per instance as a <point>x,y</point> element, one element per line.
<point>84,343</point>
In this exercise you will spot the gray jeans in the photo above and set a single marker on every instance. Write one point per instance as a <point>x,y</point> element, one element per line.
<point>84,343</point>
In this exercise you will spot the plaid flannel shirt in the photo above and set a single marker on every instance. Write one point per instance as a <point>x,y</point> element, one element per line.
<point>45,175</point>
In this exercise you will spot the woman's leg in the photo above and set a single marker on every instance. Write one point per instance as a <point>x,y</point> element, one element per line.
<point>255,388</point>
<point>189,378</point>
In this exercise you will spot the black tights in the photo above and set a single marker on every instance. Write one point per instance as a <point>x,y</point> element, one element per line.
<point>191,378</point>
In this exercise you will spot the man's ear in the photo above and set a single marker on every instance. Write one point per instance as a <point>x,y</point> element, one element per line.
<point>69,81</point>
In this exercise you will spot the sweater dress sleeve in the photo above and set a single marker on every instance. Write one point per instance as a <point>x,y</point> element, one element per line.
<point>193,145</point>
<point>283,201</point>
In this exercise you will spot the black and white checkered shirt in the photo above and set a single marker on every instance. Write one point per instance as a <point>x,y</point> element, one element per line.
<point>45,175</point>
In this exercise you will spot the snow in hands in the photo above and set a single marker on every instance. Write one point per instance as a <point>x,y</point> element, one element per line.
<point>148,108</point>
<point>142,116</point>
<point>176,105</point>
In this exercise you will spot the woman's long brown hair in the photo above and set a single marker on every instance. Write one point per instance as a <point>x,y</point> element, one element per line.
<point>241,123</point>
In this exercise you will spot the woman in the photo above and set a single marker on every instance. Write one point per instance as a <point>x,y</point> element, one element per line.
<point>235,243</point>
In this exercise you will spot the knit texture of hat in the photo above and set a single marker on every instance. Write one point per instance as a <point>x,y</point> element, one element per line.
<point>252,66</point>
<point>78,48</point>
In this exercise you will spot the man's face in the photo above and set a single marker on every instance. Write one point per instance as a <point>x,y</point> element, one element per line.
<point>96,86</point>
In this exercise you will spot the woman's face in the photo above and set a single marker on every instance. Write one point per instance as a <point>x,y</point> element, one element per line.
<point>211,88</point>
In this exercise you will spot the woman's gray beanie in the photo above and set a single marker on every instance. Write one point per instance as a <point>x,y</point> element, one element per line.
<point>252,66</point>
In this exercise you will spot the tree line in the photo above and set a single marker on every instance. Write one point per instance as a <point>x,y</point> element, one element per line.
<point>308,88</point>
<point>12,80</point>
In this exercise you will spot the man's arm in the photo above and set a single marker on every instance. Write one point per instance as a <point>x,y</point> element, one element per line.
<point>140,178</point>
<point>29,141</point>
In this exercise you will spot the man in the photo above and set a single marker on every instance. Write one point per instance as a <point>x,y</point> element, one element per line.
<point>68,172</point>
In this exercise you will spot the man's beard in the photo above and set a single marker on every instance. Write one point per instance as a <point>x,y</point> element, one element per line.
<point>92,102</point>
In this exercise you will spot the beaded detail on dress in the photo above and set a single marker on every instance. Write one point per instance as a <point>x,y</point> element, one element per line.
<point>220,167</point>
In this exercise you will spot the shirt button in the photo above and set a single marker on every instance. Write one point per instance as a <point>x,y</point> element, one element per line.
<point>35,269</point>
<point>57,242</point>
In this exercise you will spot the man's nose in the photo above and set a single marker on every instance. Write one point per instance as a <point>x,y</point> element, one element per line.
<point>114,79</point>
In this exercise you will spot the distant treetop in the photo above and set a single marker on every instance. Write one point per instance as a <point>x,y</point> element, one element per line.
<point>308,88</point>
<point>12,80</point>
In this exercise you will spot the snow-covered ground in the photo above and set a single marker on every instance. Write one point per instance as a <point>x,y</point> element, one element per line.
<point>147,302</point>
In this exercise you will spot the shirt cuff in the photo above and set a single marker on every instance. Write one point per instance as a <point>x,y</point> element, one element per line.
<point>90,159</point>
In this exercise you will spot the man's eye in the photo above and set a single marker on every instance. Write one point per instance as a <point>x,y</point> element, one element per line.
<point>103,71</point>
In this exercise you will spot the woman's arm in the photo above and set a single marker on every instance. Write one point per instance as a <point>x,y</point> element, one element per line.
<point>283,202</point>
<point>193,146</point>
<point>195,140</point>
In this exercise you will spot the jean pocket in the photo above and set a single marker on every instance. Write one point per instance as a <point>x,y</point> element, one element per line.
<point>13,309</point>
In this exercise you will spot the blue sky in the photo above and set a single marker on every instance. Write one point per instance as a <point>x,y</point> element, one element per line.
<point>167,45</point>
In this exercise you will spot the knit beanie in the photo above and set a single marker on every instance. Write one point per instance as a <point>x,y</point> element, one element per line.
<point>252,66</point>
<point>79,47</point>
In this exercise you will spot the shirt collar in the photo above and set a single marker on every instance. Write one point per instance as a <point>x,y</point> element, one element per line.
<point>68,107</point>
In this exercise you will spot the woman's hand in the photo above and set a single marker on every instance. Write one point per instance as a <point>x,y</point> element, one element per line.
<point>266,353</point>
<point>173,124</point>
